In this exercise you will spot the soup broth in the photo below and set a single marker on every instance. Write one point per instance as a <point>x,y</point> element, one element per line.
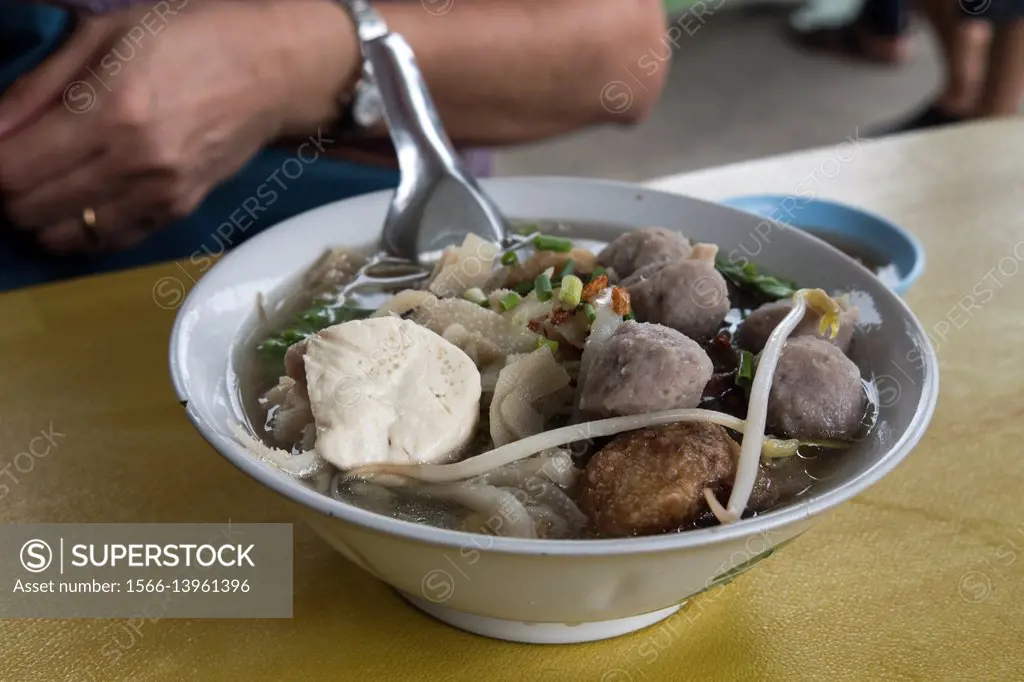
<point>875,261</point>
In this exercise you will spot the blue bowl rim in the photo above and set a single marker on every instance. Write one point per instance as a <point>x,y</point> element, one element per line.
<point>741,202</point>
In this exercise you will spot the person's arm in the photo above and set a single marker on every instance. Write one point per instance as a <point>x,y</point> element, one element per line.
<point>501,71</point>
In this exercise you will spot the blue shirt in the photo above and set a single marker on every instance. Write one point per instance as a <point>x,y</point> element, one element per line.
<point>276,184</point>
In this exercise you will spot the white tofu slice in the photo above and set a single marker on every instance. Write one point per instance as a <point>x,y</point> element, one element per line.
<point>386,390</point>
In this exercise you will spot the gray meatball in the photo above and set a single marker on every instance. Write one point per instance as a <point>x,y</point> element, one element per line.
<point>644,368</point>
<point>690,296</point>
<point>817,393</point>
<point>753,332</point>
<point>652,480</point>
<point>643,247</point>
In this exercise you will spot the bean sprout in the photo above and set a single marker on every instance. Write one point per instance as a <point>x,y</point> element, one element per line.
<point>527,447</point>
<point>757,406</point>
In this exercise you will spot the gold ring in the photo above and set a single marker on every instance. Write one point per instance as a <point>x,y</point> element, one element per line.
<point>89,219</point>
<point>92,235</point>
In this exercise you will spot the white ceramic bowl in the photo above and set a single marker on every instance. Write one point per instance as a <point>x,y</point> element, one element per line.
<point>555,591</point>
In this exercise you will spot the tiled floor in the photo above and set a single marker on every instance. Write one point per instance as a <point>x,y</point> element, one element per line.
<point>736,91</point>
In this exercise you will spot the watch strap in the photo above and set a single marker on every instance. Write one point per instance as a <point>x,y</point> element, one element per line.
<point>362,108</point>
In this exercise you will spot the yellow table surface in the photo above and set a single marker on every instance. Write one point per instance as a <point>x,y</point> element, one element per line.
<point>921,577</point>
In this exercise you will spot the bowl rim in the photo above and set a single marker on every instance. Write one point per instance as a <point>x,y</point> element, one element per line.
<point>280,483</point>
<point>740,201</point>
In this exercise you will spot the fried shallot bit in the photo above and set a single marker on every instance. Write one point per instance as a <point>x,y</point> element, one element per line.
<point>723,340</point>
<point>559,316</point>
<point>595,287</point>
<point>620,301</point>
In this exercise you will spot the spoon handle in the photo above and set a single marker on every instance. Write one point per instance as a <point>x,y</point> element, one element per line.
<point>416,131</point>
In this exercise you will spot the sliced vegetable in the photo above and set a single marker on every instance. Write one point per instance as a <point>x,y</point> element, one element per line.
<point>567,269</point>
<point>629,316</point>
<point>510,259</point>
<point>544,242</point>
<point>747,279</point>
<point>542,343</point>
<point>476,295</point>
<point>509,301</point>
<point>307,323</point>
<point>745,371</point>
<point>590,312</point>
<point>542,285</point>
<point>571,291</point>
<point>598,272</point>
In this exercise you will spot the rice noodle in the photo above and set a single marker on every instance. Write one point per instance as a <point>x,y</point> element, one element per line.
<point>489,500</point>
<point>549,495</point>
<point>305,465</point>
<point>557,468</point>
<point>546,520</point>
<point>605,323</point>
<point>520,385</point>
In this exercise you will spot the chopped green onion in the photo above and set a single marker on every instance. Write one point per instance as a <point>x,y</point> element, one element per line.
<point>317,319</point>
<point>590,312</point>
<point>745,371</point>
<point>598,271</point>
<point>568,269</point>
<point>476,295</point>
<point>510,258</point>
<point>274,345</point>
<point>523,288</point>
<point>542,342</point>
<point>542,285</point>
<point>629,316</point>
<point>509,301</point>
<point>543,242</point>
<point>291,336</point>
<point>571,291</point>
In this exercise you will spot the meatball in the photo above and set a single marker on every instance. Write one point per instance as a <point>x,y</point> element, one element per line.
<point>753,332</point>
<point>817,393</point>
<point>652,480</point>
<point>644,247</point>
<point>644,367</point>
<point>690,296</point>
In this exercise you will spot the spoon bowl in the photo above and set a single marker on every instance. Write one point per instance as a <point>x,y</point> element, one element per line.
<point>437,201</point>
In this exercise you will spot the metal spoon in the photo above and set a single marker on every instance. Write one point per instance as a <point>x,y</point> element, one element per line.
<point>437,201</point>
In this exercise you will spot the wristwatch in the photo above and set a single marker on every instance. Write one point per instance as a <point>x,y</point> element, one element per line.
<point>365,109</point>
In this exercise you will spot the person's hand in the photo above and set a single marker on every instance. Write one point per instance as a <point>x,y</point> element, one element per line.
<point>141,113</point>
